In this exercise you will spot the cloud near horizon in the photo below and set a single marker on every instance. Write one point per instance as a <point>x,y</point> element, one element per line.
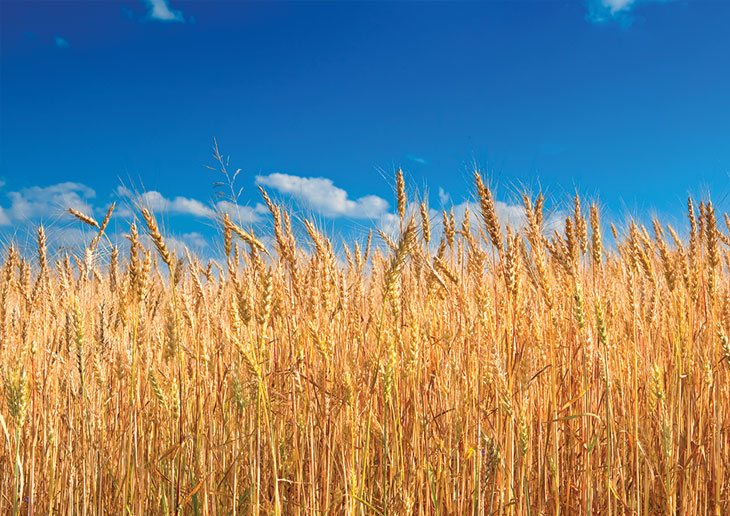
<point>193,241</point>
<point>180,205</point>
<point>155,201</point>
<point>21,211</point>
<point>38,203</point>
<point>49,205</point>
<point>321,194</point>
<point>45,202</point>
<point>509,215</point>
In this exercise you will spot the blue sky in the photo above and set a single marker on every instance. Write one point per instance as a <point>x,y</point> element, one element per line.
<point>626,101</point>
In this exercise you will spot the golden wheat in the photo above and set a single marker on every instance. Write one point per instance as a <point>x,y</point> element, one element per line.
<point>497,372</point>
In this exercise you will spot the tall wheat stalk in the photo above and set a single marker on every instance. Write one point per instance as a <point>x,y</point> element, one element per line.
<point>449,367</point>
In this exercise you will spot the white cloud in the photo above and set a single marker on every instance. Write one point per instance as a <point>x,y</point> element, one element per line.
<point>193,241</point>
<point>71,239</point>
<point>158,203</point>
<point>4,218</point>
<point>61,42</point>
<point>180,205</point>
<point>444,197</point>
<point>509,215</point>
<point>617,5</point>
<point>321,194</point>
<point>600,11</point>
<point>160,10</point>
<point>22,210</point>
<point>389,223</point>
<point>242,214</point>
<point>39,202</point>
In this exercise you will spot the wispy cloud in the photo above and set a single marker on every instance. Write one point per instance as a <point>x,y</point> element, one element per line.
<point>601,11</point>
<point>160,10</point>
<point>417,159</point>
<point>61,42</point>
<point>320,194</point>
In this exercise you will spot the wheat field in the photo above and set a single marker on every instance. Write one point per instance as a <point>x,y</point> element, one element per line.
<point>524,371</point>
